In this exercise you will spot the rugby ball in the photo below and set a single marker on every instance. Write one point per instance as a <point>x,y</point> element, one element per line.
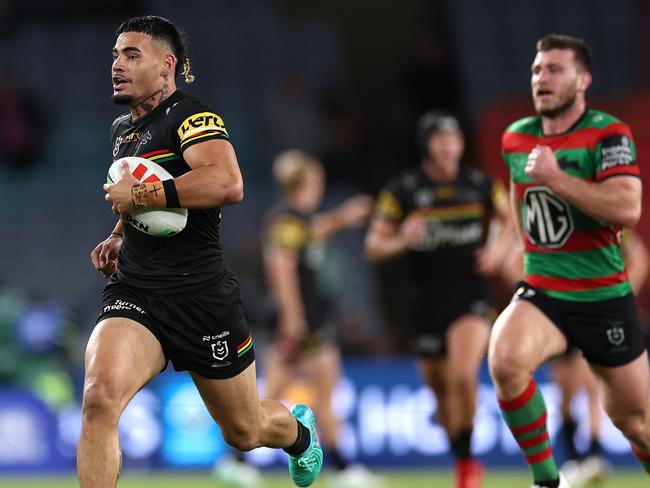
<point>159,222</point>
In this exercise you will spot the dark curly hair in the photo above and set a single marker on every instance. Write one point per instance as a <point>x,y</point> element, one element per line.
<point>161,28</point>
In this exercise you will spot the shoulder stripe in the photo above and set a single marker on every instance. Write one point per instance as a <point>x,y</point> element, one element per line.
<point>627,170</point>
<point>203,135</point>
<point>517,142</point>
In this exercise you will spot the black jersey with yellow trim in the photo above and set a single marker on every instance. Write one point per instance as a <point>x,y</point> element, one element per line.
<point>193,256</point>
<point>286,228</point>
<point>456,214</point>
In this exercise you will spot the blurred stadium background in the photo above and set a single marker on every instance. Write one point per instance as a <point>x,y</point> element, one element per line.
<point>345,80</point>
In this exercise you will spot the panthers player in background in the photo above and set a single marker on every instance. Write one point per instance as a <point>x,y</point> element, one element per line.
<point>439,214</point>
<point>172,298</point>
<point>574,184</point>
<point>294,238</point>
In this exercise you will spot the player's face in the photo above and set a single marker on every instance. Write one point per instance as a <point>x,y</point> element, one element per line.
<point>313,187</point>
<point>445,150</point>
<point>139,64</point>
<point>556,81</point>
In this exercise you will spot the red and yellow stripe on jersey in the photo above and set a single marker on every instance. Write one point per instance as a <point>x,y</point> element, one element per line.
<point>453,212</point>
<point>569,254</point>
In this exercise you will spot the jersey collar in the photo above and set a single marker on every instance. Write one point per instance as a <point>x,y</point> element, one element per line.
<point>168,102</point>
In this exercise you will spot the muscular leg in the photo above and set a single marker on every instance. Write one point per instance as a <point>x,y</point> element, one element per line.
<point>593,394</point>
<point>245,421</point>
<point>435,374</point>
<point>121,357</point>
<point>323,370</point>
<point>467,340</point>
<point>277,373</point>
<point>568,376</point>
<point>522,339</point>
<point>626,390</point>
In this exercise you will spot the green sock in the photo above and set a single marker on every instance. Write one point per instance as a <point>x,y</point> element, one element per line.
<point>526,417</point>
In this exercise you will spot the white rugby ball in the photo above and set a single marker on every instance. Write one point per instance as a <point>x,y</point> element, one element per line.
<point>160,222</point>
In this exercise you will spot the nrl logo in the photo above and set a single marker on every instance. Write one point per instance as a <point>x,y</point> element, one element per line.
<point>220,350</point>
<point>616,335</point>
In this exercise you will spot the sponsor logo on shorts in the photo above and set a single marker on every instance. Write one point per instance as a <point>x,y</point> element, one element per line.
<point>220,350</point>
<point>616,335</point>
<point>219,347</point>
<point>122,305</point>
<point>221,335</point>
<point>523,292</point>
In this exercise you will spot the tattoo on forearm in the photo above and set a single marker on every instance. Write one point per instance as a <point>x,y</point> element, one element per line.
<point>146,195</point>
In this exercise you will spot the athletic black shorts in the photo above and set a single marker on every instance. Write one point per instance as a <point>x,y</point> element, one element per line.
<point>434,310</point>
<point>204,331</point>
<point>608,332</point>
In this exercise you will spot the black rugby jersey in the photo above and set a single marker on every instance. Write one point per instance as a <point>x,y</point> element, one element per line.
<point>289,229</point>
<point>456,215</point>
<point>192,256</point>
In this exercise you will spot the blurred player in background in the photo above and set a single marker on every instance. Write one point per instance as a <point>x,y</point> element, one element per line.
<point>294,238</point>
<point>172,298</point>
<point>574,184</point>
<point>439,214</point>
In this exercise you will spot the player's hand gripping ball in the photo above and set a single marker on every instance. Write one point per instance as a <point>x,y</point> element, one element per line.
<point>159,222</point>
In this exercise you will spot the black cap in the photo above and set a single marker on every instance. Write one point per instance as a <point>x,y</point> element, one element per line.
<point>432,122</point>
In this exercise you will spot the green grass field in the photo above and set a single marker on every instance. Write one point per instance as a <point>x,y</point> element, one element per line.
<point>395,479</point>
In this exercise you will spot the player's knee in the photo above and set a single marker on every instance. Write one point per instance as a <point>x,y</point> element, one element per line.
<point>241,438</point>
<point>505,368</point>
<point>466,381</point>
<point>100,400</point>
<point>633,428</point>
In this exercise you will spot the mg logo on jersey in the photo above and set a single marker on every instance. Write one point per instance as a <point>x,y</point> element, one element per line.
<point>548,221</point>
<point>220,350</point>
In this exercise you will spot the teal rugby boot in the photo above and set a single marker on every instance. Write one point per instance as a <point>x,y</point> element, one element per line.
<point>304,468</point>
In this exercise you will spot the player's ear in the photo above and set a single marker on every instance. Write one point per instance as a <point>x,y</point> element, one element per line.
<point>169,64</point>
<point>584,80</point>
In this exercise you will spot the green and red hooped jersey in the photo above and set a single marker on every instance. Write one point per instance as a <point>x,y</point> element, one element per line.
<point>569,254</point>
